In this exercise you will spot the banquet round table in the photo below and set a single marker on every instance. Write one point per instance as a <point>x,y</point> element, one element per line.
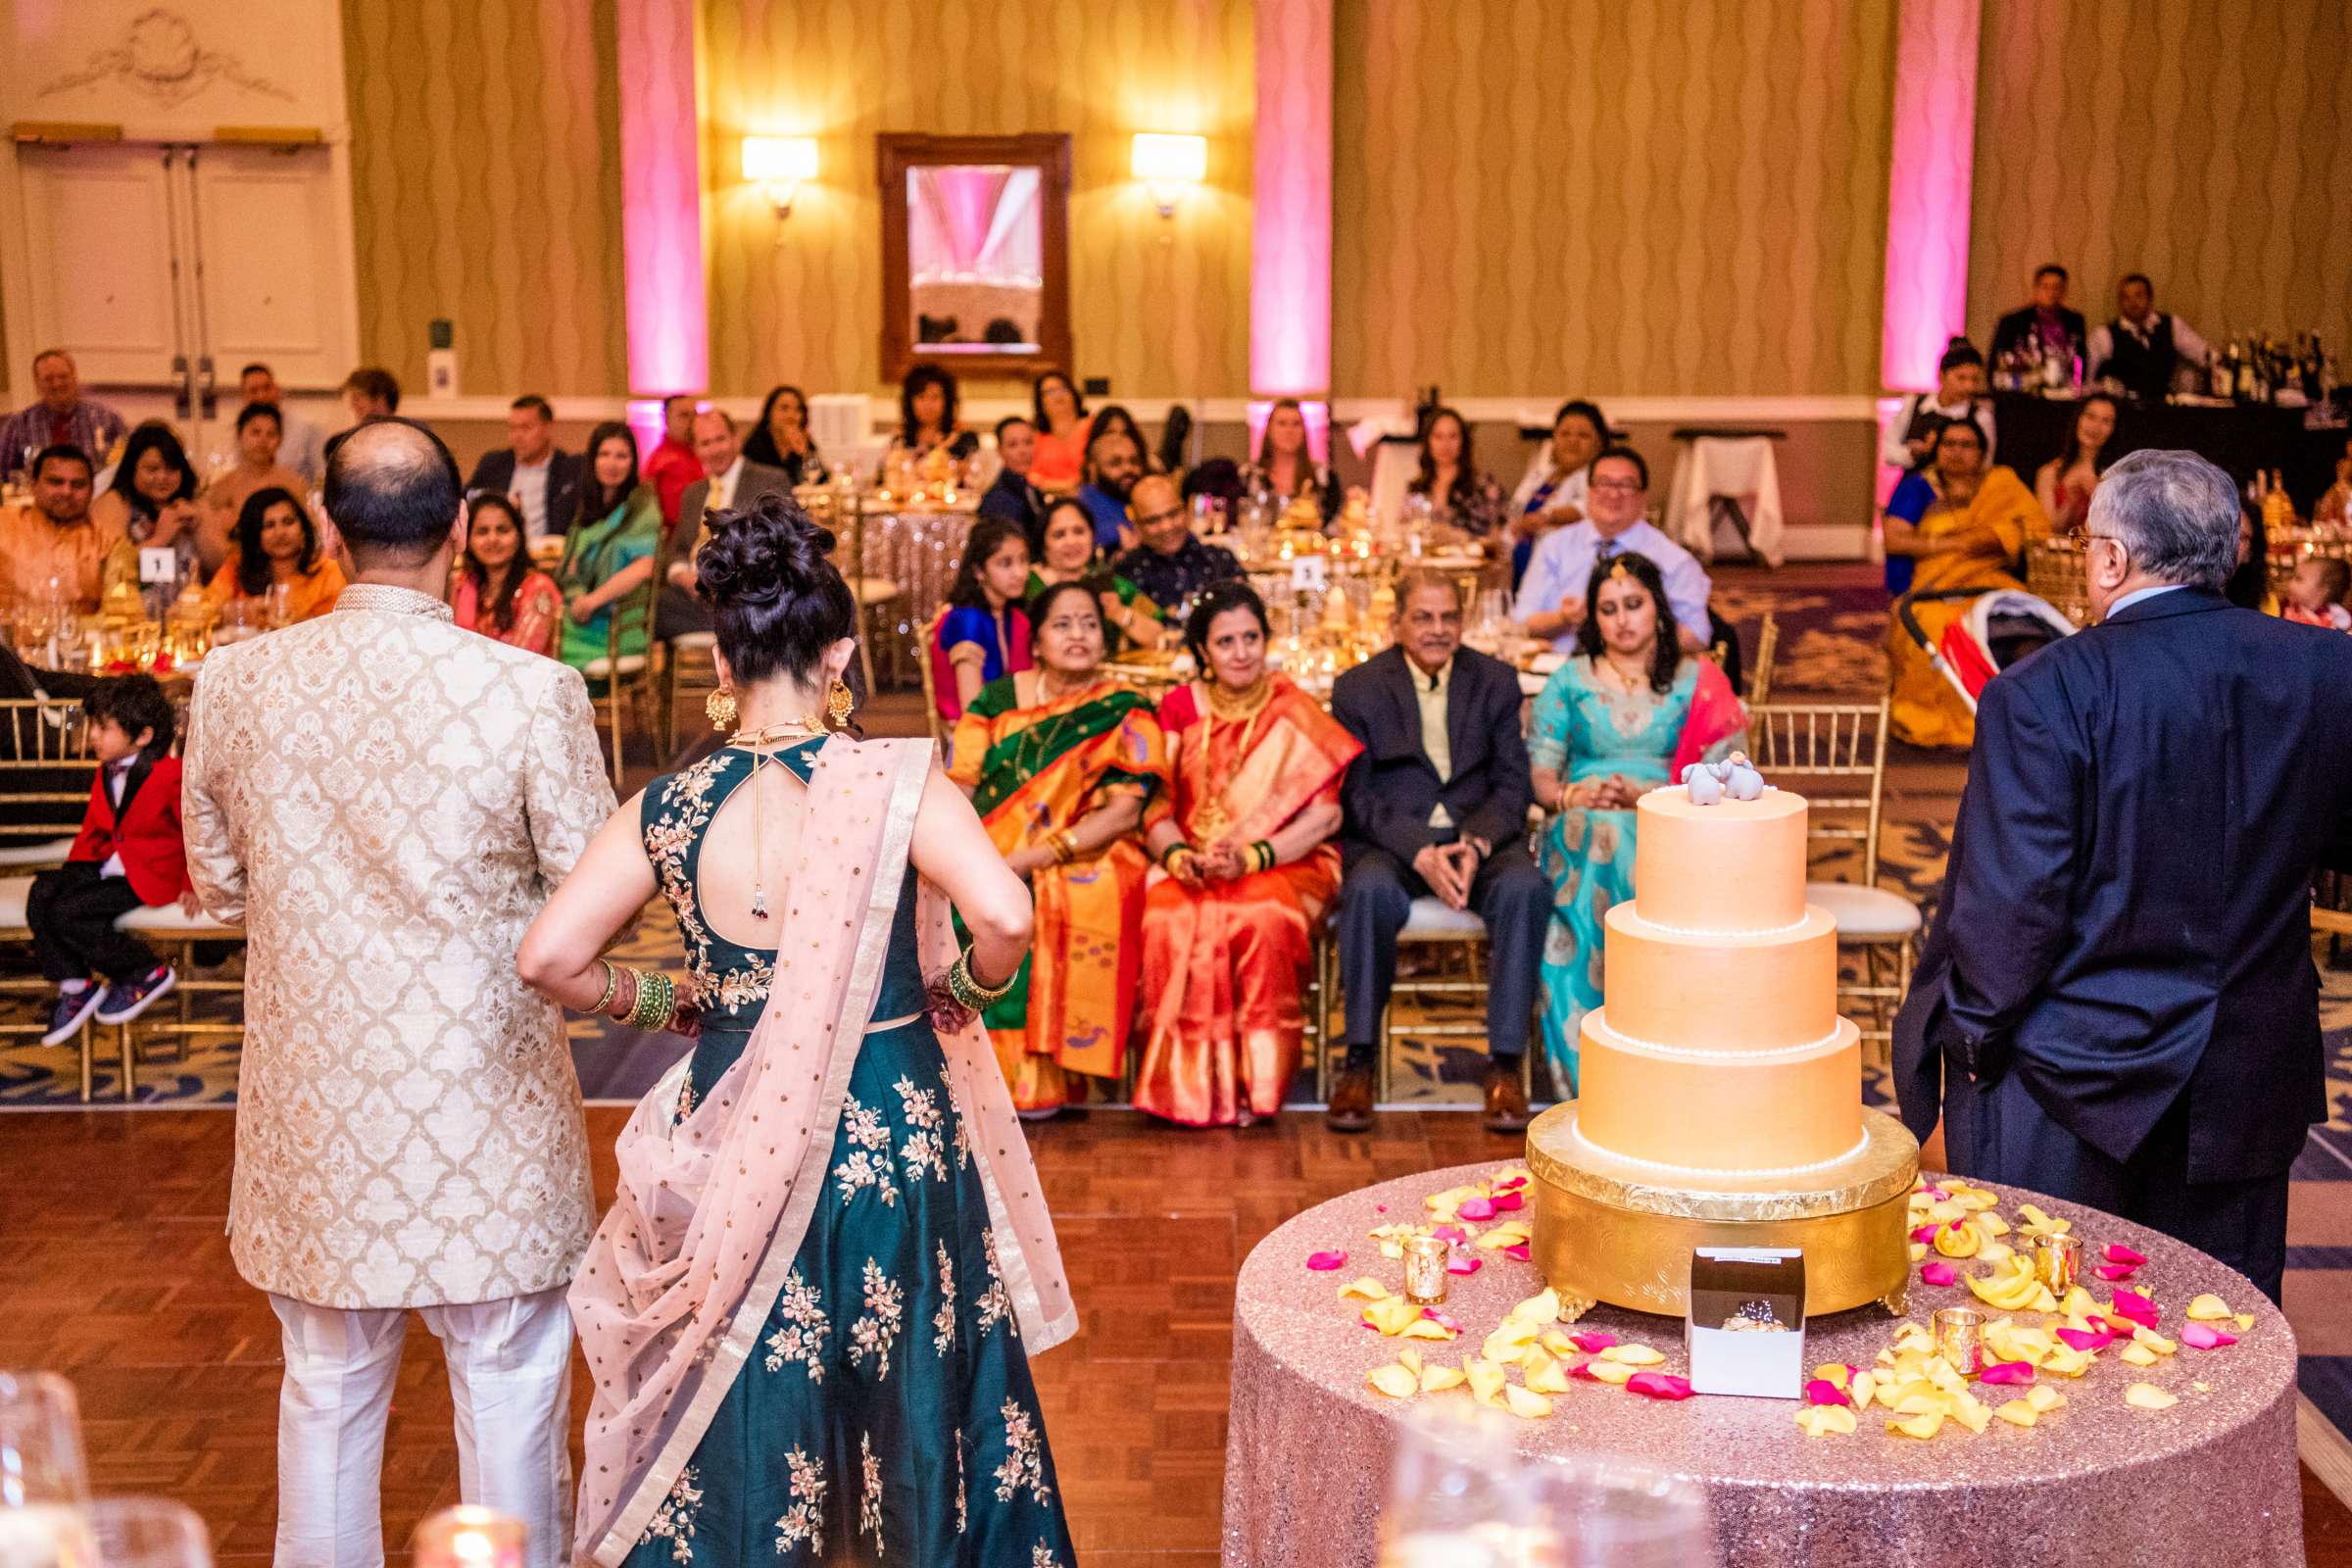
<point>2211,1480</point>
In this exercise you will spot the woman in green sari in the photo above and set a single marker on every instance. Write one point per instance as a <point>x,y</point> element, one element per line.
<point>1065,551</point>
<point>1061,761</point>
<point>610,551</point>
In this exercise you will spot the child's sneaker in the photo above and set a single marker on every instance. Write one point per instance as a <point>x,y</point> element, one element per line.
<point>68,1012</point>
<point>124,1002</point>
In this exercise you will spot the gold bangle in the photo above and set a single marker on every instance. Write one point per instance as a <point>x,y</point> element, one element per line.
<point>612,984</point>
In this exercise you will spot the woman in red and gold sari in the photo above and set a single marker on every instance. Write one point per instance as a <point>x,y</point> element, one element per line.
<point>1061,761</point>
<point>1245,838</point>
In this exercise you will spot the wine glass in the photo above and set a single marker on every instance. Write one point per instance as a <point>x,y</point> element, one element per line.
<point>1455,1494</point>
<point>149,1532</point>
<point>1592,1511</point>
<point>44,1481</point>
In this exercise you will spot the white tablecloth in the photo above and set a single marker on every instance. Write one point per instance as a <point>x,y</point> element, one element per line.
<point>1742,467</point>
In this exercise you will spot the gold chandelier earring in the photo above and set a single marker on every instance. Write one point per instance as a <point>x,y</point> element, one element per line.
<point>838,703</point>
<point>719,706</point>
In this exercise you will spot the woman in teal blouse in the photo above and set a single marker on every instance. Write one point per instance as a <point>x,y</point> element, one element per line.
<point>610,551</point>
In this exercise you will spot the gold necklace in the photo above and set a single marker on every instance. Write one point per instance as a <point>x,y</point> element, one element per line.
<point>1212,817</point>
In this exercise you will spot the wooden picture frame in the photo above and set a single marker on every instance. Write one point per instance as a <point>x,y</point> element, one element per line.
<point>1049,152</point>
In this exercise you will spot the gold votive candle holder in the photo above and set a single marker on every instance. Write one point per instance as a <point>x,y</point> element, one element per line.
<point>2058,1262</point>
<point>1960,1338</point>
<point>471,1537</point>
<point>1425,1260</point>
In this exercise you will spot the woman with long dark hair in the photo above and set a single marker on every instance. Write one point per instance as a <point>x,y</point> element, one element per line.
<point>809,1316</point>
<point>152,503</point>
<point>1285,469</point>
<point>1059,418</point>
<point>1459,493</point>
<point>2063,486</point>
<point>984,635</point>
<point>928,419</point>
<point>781,439</point>
<point>498,591</point>
<point>1625,713</point>
<point>277,546</point>
<point>1552,493</point>
<point>610,551</point>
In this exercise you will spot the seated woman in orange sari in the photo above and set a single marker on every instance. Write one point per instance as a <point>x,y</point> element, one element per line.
<point>1061,761</point>
<point>1971,527</point>
<point>1245,837</point>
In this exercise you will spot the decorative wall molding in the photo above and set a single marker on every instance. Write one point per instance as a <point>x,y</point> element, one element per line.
<point>159,57</point>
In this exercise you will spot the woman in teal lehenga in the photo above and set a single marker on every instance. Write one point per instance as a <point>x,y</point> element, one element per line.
<point>1625,715</point>
<point>809,1312</point>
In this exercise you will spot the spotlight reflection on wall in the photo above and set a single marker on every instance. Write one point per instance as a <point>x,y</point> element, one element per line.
<point>1168,163</point>
<point>779,164</point>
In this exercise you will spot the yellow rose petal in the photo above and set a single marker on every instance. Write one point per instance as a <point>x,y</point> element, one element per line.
<point>1436,1379</point>
<point>1820,1420</point>
<point>2078,1304</point>
<point>1990,1224</point>
<point>1632,1354</point>
<point>2246,1322</point>
<point>1539,1309</point>
<point>1366,1289</point>
<point>2041,1396</point>
<point>2142,1333</point>
<point>2019,1412</point>
<point>1972,1413</point>
<point>2148,1397</point>
<point>1410,1359</point>
<point>1391,1250</point>
<point>1919,1426</point>
<point>1394,1381</point>
<point>1863,1387</point>
<point>1486,1380</point>
<point>1553,1378</point>
<point>1557,1341</point>
<point>1425,1329</point>
<point>1526,1405</point>
<point>2202,1387</point>
<point>2138,1354</point>
<point>1616,1372</point>
<point>2208,1308</point>
<point>1833,1373</point>
<point>2067,1363</point>
<point>1946,1211</point>
<point>1919,1249</point>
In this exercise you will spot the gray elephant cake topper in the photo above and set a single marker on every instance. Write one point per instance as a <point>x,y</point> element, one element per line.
<point>1734,778</point>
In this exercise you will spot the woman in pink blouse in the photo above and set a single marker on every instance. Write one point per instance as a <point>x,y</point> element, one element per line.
<point>498,593</point>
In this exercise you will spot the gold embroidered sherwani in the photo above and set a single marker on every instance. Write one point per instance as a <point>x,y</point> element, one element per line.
<point>385,801</point>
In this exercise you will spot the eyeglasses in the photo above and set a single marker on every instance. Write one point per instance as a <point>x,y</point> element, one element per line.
<point>1173,515</point>
<point>1627,487</point>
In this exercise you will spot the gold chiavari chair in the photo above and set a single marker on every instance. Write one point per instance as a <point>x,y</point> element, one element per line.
<point>627,677</point>
<point>1768,650</point>
<point>45,773</point>
<point>925,636</point>
<point>1825,752</point>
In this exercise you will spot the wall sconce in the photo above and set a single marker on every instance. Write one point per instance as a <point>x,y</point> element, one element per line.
<point>1166,162</point>
<point>778,164</point>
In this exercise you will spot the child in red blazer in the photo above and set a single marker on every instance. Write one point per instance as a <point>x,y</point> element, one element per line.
<point>129,854</point>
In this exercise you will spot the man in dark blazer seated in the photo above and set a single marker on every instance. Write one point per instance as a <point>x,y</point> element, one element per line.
<point>2060,330</point>
<point>1436,804</point>
<point>2118,1005</point>
<point>543,478</point>
<point>730,480</point>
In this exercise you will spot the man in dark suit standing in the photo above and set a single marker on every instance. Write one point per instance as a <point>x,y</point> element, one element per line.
<point>2045,318</point>
<point>2118,1006</point>
<point>543,480</point>
<point>1436,807</point>
<point>730,480</point>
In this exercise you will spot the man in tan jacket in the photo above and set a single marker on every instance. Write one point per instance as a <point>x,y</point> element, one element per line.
<point>386,801</point>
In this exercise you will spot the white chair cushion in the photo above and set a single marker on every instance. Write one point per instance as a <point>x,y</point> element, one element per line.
<point>44,852</point>
<point>1432,921</point>
<point>693,641</point>
<point>1864,914</point>
<point>168,921</point>
<point>14,891</point>
<point>630,664</point>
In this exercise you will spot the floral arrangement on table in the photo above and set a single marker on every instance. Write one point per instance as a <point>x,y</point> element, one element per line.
<point>2046,1335</point>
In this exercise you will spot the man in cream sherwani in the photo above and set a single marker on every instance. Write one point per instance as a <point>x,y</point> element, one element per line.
<point>386,801</point>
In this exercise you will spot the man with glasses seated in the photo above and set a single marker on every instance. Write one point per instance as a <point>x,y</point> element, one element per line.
<point>1551,601</point>
<point>1171,565</point>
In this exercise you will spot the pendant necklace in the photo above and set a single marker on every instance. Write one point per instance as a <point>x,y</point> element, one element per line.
<point>756,741</point>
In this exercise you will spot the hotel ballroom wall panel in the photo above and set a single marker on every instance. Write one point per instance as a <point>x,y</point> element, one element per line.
<point>1160,307</point>
<point>2202,145</point>
<point>486,189</point>
<point>1647,197</point>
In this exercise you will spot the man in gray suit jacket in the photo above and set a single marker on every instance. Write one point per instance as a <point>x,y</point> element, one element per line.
<point>729,479</point>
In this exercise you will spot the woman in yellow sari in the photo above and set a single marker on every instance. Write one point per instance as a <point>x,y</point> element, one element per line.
<point>1965,526</point>
<point>1243,836</point>
<point>1060,762</point>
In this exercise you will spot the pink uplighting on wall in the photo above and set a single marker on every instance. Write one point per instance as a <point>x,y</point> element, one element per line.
<point>1290,261</point>
<point>661,198</point>
<point>1928,187</point>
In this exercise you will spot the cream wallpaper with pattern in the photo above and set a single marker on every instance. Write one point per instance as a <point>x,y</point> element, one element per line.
<point>2201,143</point>
<point>1632,197</point>
<point>1162,308</point>
<point>486,189</point>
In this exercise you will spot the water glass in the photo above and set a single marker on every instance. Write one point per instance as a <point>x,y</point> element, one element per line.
<point>1458,1494</point>
<point>40,1442</point>
<point>1597,1512</point>
<point>149,1532</point>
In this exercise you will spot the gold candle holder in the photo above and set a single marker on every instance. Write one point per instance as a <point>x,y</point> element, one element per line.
<point>1960,1338</point>
<point>1425,1260</point>
<point>2058,1262</point>
<point>471,1537</point>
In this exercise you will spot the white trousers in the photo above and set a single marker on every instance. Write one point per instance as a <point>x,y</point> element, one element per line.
<point>510,1377</point>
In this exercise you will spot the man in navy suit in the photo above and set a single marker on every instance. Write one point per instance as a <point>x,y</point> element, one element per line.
<point>2118,1005</point>
<point>1436,807</point>
<point>543,480</point>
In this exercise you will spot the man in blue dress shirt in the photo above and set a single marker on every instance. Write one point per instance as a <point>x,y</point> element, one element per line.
<point>1552,596</point>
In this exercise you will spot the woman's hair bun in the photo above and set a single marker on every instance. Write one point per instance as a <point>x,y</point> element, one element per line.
<point>759,554</point>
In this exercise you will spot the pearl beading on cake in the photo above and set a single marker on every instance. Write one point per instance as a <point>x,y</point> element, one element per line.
<point>1694,1053</point>
<point>1705,934</point>
<point>1577,1131</point>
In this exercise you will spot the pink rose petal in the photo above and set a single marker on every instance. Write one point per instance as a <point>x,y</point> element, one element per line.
<point>1451,1233</point>
<point>2081,1339</point>
<point>1441,1319</point>
<point>1511,1186</point>
<point>1503,1202</point>
<point>1821,1391</point>
<point>1592,1341</point>
<point>1583,1371</point>
<point>1939,1274</point>
<point>1321,1261</point>
<point>1937,1193</point>
<point>2116,1253</point>
<point>2205,1337</point>
<point>2007,1372</point>
<point>1517,1251</point>
<point>1380,1208</point>
<point>2136,1306</point>
<point>1658,1386</point>
<point>1461,1263</point>
<point>1925,1233</point>
<point>2117,1273</point>
<point>1477,1208</point>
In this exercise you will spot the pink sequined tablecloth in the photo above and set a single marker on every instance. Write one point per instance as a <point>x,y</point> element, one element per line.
<point>2210,1480</point>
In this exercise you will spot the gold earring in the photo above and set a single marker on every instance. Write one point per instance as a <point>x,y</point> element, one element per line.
<point>838,703</point>
<point>720,706</point>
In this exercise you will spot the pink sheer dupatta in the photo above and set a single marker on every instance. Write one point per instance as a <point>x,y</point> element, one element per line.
<point>1715,717</point>
<point>712,1211</point>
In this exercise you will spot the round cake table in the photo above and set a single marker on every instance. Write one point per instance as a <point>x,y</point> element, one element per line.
<point>2213,1479</point>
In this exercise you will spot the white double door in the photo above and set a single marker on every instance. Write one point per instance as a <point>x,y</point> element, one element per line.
<point>166,268</point>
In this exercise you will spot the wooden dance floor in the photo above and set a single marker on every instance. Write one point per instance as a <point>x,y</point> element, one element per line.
<point>117,1273</point>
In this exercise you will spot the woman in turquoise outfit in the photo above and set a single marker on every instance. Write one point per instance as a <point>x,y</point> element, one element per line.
<point>1625,715</point>
<point>810,1313</point>
<point>609,553</point>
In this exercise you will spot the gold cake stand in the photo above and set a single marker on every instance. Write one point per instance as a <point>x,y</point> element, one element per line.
<point>1609,1229</point>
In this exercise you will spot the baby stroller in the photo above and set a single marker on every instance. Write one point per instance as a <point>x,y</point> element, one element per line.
<point>2001,627</point>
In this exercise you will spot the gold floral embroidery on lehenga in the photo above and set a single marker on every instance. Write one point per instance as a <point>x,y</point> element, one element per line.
<point>870,1495</point>
<point>804,1523</point>
<point>673,1521</point>
<point>800,1330</point>
<point>877,1330</point>
<point>1024,1466</point>
<point>943,1322</point>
